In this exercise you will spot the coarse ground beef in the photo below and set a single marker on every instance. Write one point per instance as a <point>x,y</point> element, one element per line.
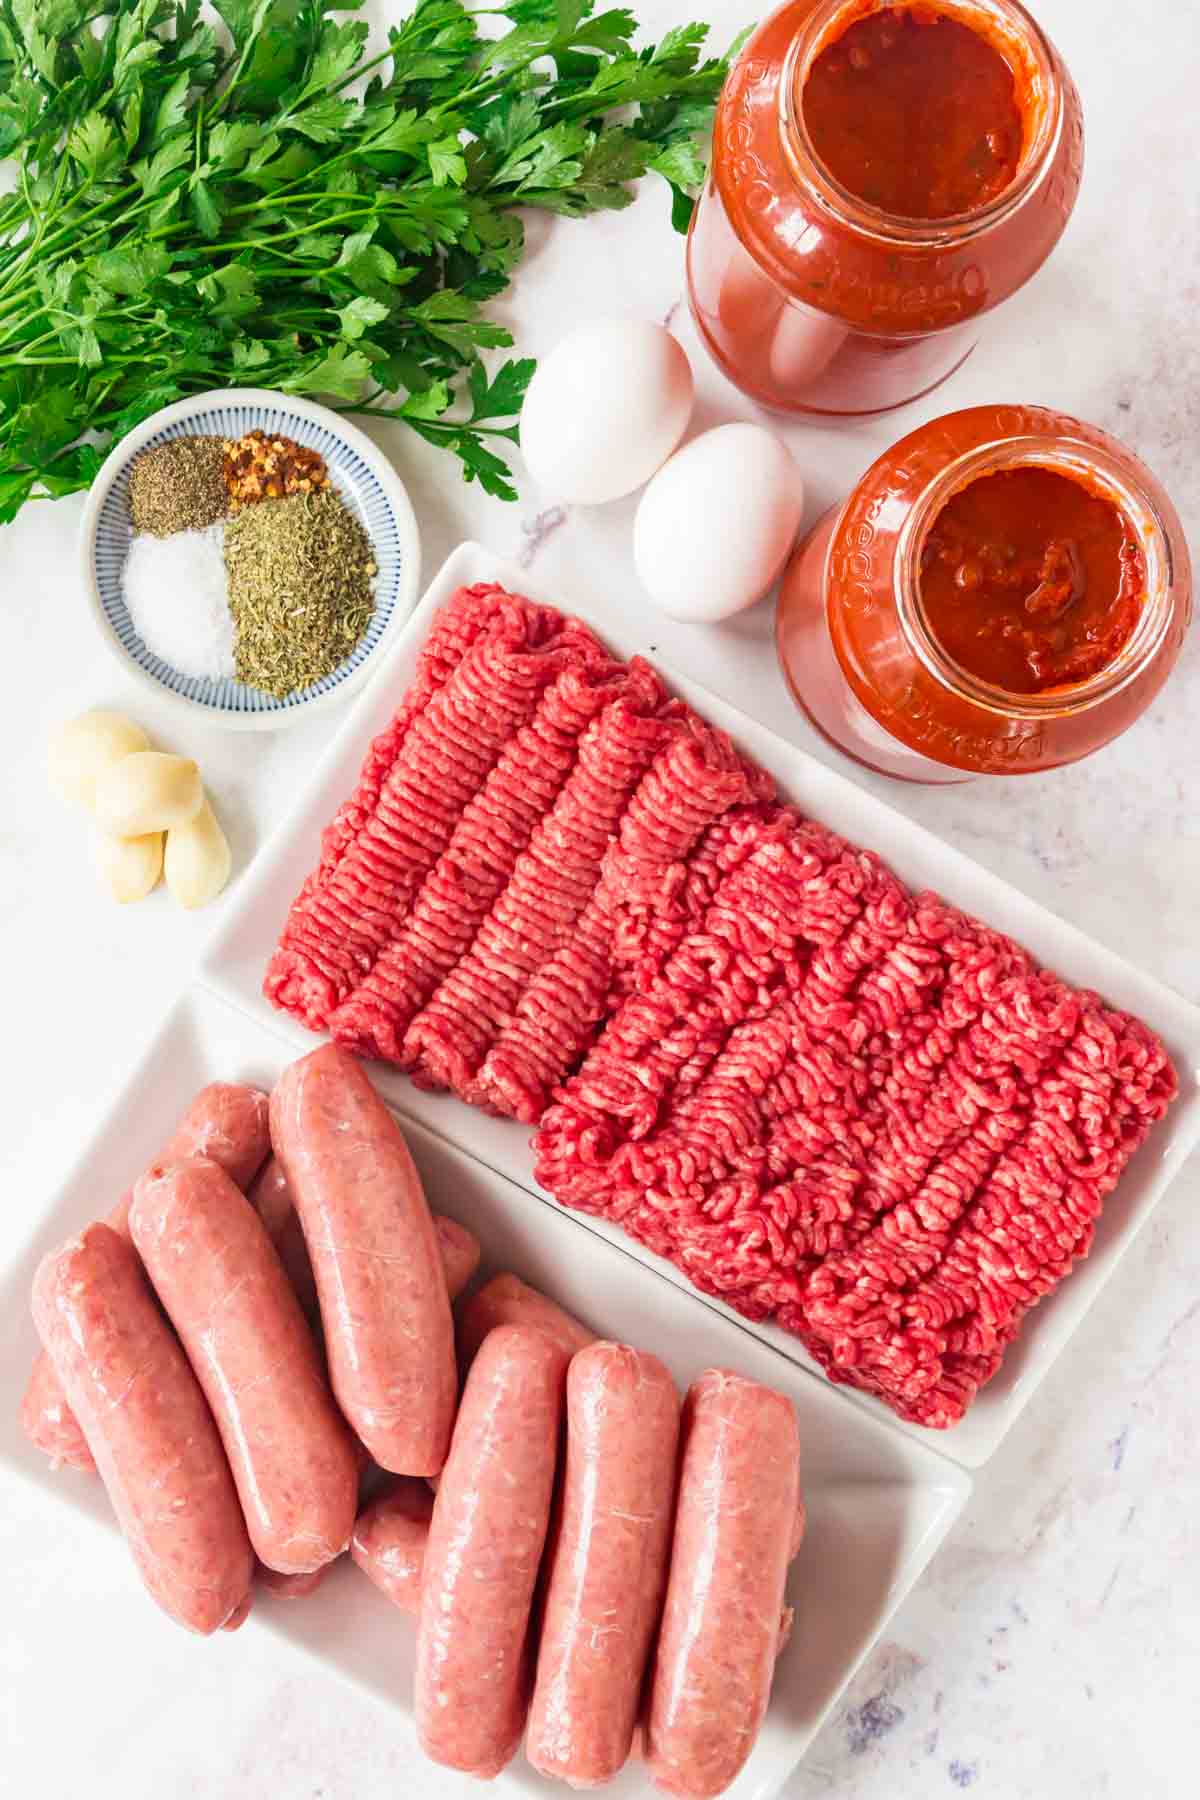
<point>858,1113</point>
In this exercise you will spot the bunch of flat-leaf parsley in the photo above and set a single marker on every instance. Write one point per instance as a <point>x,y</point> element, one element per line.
<point>196,206</point>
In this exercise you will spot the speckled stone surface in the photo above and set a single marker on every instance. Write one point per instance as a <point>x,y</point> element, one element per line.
<point>1053,1647</point>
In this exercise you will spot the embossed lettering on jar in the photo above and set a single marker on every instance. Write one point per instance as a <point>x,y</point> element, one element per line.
<point>1005,590</point>
<point>882,176</point>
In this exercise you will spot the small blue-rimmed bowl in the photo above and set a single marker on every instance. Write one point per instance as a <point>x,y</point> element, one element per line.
<point>367,483</point>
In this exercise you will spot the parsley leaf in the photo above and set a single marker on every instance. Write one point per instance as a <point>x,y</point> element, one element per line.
<point>453,318</point>
<point>130,268</point>
<point>340,373</point>
<point>501,397</point>
<point>93,144</point>
<point>172,107</point>
<point>446,162</point>
<point>361,313</point>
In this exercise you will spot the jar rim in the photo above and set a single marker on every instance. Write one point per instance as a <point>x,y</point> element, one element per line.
<point>1010,21</point>
<point>1078,459</point>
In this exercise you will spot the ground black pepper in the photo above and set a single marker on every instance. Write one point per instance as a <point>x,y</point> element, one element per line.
<point>179,486</point>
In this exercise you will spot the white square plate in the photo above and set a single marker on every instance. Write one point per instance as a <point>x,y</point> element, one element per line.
<point>236,959</point>
<point>878,1504</point>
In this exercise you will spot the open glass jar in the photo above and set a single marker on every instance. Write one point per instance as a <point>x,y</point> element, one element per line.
<point>854,635</point>
<point>814,299</point>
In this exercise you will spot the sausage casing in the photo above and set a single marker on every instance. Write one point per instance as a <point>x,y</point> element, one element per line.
<point>735,1528</point>
<point>507,1300</point>
<point>224,1289</point>
<point>485,1545</point>
<point>385,1311</point>
<point>289,1587</point>
<point>148,1427</point>
<point>609,1566</point>
<point>271,1198</point>
<point>390,1539</point>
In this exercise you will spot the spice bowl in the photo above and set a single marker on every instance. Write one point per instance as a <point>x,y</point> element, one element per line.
<point>361,476</point>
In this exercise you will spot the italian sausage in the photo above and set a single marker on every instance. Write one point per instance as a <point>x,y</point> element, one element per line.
<point>239,1615</point>
<point>214,1268</point>
<point>485,1544</point>
<point>227,1121</point>
<point>271,1198</point>
<point>459,1251</point>
<point>289,1587</point>
<point>385,1312</point>
<point>609,1567</point>
<point>506,1300</point>
<point>390,1539</point>
<point>735,1527</point>
<point>148,1426</point>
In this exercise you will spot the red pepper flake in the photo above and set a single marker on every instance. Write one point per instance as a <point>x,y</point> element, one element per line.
<point>258,467</point>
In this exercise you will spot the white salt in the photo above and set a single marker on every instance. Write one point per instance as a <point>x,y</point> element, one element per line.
<point>178,599</point>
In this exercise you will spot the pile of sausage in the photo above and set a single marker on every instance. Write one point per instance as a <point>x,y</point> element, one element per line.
<point>588,1563</point>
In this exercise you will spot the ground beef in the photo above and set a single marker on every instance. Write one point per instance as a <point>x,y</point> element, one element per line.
<point>552,883</point>
<point>694,779</point>
<point>836,1104</point>
<point>479,680</point>
<point>477,864</point>
<point>860,1114</point>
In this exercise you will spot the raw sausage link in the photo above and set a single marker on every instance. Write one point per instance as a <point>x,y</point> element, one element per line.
<point>385,1311</point>
<point>271,1198</point>
<point>390,1540</point>
<point>735,1527</point>
<point>506,1300</point>
<point>460,1253</point>
<point>609,1567</point>
<point>289,1587</point>
<point>225,1291</point>
<point>148,1427</point>
<point>226,1121</point>
<point>485,1543</point>
<point>239,1615</point>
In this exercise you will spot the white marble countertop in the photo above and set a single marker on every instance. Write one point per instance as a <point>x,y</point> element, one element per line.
<point>1053,1643</point>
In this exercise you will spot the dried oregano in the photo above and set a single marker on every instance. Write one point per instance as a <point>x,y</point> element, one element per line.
<point>300,589</point>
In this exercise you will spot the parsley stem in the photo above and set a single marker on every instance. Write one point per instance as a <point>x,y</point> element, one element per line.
<point>281,237</point>
<point>69,229</point>
<point>361,69</point>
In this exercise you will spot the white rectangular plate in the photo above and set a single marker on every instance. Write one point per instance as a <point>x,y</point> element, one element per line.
<point>878,1504</point>
<point>237,958</point>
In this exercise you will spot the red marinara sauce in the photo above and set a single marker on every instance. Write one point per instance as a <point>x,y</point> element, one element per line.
<point>915,113</point>
<point>1005,590</point>
<point>882,176</point>
<point>1031,581</point>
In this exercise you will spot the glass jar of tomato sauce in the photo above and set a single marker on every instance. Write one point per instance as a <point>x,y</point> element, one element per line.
<point>883,173</point>
<point>1004,591</point>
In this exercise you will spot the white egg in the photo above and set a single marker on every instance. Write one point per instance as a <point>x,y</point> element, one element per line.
<point>605,409</point>
<point>715,526</point>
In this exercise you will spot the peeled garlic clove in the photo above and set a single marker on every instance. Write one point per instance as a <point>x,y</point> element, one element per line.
<point>197,859</point>
<point>80,750</point>
<point>148,791</point>
<point>129,867</point>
